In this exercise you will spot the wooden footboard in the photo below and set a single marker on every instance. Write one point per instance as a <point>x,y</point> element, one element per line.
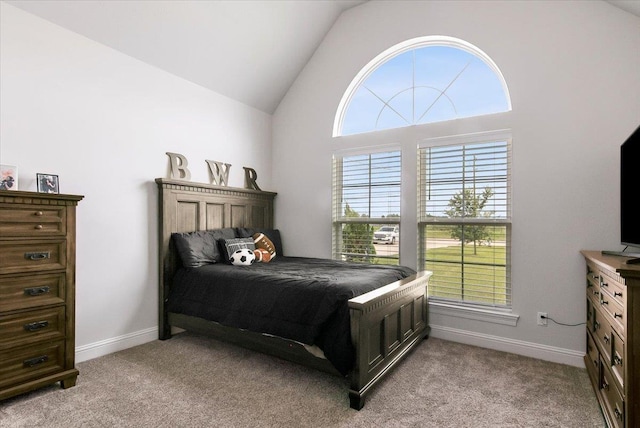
<point>385,325</point>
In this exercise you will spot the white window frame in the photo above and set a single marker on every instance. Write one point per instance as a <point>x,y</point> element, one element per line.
<point>471,307</point>
<point>339,219</point>
<point>416,43</point>
<point>408,138</point>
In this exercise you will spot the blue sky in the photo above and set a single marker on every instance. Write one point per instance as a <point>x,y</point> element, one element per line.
<point>424,85</point>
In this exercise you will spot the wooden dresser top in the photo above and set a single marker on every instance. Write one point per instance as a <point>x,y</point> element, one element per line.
<point>616,263</point>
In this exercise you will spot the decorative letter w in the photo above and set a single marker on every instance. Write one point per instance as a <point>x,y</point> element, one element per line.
<point>219,172</point>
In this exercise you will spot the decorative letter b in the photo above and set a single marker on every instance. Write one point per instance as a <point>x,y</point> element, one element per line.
<point>179,170</point>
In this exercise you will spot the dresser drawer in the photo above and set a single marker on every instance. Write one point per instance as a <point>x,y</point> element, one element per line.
<point>26,292</point>
<point>32,256</point>
<point>590,315</point>
<point>32,220</point>
<point>25,328</point>
<point>617,359</point>
<point>593,282</point>
<point>32,362</point>
<point>603,335</point>
<point>593,354</point>
<point>614,404</point>
<point>612,307</point>
<point>613,285</point>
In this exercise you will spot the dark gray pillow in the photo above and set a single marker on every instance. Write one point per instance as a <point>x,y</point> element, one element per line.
<point>272,234</point>
<point>201,248</point>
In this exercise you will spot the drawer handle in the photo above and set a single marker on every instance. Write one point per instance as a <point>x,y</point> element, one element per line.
<point>596,325</point>
<point>616,294</point>
<point>596,293</point>
<point>605,385</point>
<point>36,291</point>
<point>617,361</point>
<point>38,213</point>
<point>40,255</point>
<point>604,284</point>
<point>35,361</point>
<point>606,338</point>
<point>35,326</point>
<point>618,413</point>
<point>38,227</point>
<point>604,302</point>
<point>617,315</point>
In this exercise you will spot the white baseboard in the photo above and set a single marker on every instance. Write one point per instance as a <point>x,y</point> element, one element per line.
<point>528,349</point>
<point>114,344</point>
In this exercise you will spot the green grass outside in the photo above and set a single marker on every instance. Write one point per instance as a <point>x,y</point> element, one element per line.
<point>484,273</point>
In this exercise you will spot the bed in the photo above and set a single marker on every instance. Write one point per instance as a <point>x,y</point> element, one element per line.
<point>384,321</point>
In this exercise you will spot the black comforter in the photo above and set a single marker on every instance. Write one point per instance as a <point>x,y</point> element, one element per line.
<point>302,299</point>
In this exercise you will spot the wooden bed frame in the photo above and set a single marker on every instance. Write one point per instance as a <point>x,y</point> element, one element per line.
<point>386,323</point>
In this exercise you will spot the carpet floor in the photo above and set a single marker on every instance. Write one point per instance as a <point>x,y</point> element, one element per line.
<point>194,381</point>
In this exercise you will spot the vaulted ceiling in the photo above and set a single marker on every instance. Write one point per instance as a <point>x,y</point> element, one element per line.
<point>250,50</point>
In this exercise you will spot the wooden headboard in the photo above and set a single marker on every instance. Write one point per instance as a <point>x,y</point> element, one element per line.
<point>185,206</point>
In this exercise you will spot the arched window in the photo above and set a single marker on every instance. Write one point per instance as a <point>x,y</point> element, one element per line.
<point>463,196</point>
<point>424,80</point>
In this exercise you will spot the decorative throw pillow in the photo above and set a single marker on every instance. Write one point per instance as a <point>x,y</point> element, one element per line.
<point>230,246</point>
<point>242,257</point>
<point>262,255</point>
<point>262,242</point>
<point>272,234</point>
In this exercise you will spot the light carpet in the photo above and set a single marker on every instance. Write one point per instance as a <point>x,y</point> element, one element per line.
<point>194,381</point>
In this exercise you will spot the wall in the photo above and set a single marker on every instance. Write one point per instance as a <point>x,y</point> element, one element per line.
<point>102,122</point>
<point>572,71</point>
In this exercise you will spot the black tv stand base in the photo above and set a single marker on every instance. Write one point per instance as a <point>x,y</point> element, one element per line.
<point>634,258</point>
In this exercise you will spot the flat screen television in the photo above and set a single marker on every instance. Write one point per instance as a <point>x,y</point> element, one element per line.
<point>629,198</point>
<point>630,190</point>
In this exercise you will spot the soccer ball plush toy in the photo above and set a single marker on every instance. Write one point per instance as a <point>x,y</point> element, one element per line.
<point>242,257</point>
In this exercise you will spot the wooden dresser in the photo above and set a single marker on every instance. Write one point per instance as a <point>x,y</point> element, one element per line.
<point>613,336</point>
<point>37,291</point>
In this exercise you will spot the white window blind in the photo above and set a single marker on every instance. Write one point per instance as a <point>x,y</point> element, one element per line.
<point>366,196</point>
<point>465,221</point>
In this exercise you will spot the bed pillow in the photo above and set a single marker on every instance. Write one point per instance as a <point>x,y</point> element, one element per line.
<point>272,234</point>
<point>262,242</point>
<point>230,246</point>
<point>262,255</point>
<point>200,248</point>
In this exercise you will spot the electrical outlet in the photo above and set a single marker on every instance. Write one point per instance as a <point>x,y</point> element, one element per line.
<point>542,318</point>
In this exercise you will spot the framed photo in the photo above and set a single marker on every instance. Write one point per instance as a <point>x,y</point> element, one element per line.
<point>8,177</point>
<point>48,183</point>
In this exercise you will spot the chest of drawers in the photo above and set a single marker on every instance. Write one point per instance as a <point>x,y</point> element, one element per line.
<point>613,337</point>
<point>37,291</point>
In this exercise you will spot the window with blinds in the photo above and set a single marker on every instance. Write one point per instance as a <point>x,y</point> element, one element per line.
<point>465,222</point>
<point>366,207</point>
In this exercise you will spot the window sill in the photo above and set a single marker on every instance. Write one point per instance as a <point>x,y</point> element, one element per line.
<point>496,316</point>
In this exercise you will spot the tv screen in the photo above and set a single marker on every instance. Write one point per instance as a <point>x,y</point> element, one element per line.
<point>630,190</point>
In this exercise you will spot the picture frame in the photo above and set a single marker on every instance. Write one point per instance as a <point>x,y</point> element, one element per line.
<point>48,183</point>
<point>8,177</point>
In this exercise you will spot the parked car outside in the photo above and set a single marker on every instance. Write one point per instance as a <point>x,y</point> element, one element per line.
<point>386,235</point>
